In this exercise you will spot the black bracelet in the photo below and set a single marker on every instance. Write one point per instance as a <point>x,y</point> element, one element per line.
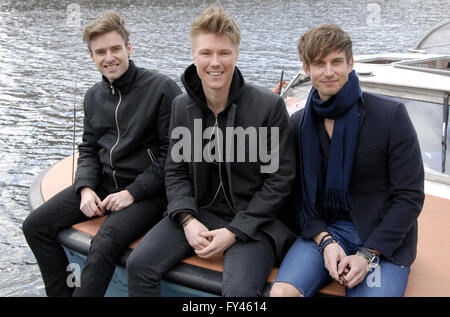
<point>186,219</point>
<point>323,238</point>
<point>325,243</point>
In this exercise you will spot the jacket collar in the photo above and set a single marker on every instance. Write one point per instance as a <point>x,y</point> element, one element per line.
<point>124,82</point>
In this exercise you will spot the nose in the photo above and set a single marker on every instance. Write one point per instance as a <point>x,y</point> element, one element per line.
<point>329,69</point>
<point>215,60</point>
<point>109,55</point>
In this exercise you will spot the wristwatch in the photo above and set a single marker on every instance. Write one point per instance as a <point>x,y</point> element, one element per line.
<point>371,257</point>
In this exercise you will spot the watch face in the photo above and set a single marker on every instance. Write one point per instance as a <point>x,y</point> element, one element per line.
<point>374,262</point>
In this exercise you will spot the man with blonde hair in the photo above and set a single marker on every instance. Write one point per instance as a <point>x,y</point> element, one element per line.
<point>120,166</point>
<point>360,179</point>
<point>218,204</point>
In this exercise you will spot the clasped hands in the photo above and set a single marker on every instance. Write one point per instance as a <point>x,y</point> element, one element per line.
<point>91,205</point>
<point>206,243</point>
<point>347,270</point>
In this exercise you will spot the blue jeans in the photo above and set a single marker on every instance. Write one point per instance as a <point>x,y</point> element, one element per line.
<point>304,267</point>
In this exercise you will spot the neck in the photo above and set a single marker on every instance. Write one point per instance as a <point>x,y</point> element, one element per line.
<point>216,100</point>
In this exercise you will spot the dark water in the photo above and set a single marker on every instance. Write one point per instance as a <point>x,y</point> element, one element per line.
<point>45,70</point>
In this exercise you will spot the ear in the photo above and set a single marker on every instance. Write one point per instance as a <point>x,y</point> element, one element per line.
<point>306,68</point>
<point>91,55</point>
<point>129,49</point>
<point>351,63</point>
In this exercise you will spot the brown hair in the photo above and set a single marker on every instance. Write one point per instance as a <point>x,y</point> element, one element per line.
<point>108,22</point>
<point>321,40</point>
<point>216,20</point>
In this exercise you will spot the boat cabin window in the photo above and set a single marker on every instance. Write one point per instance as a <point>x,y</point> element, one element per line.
<point>379,60</point>
<point>427,120</point>
<point>440,65</point>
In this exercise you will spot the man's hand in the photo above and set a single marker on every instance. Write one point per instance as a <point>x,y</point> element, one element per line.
<point>332,256</point>
<point>192,231</point>
<point>117,201</point>
<point>221,239</point>
<point>90,202</point>
<point>357,267</point>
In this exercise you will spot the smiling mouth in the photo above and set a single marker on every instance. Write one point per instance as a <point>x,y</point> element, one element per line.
<point>111,67</point>
<point>215,74</point>
<point>329,82</point>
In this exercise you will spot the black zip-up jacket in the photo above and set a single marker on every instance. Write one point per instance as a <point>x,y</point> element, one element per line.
<point>125,137</point>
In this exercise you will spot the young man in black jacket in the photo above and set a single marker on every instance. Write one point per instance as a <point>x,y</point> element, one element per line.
<point>224,189</point>
<point>120,166</point>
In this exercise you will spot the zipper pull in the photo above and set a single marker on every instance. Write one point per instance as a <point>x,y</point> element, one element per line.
<point>112,89</point>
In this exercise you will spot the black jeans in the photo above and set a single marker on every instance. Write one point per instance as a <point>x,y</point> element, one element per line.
<point>116,233</point>
<point>245,271</point>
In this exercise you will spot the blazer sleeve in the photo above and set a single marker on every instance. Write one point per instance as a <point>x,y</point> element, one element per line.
<point>406,177</point>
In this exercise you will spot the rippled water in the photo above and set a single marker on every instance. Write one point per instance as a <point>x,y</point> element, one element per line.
<point>45,70</point>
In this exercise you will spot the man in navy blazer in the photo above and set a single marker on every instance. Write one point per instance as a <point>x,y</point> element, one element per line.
<point>361,178</point>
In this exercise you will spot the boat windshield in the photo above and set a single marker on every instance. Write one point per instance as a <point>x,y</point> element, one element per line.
<point>439,65</point>
<point>427,119</point>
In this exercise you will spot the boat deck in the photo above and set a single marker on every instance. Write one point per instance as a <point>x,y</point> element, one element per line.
<point>429,273</point>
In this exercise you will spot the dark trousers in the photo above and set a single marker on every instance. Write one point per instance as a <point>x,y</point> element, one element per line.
<point>245,271</point>
<point>117,232</point>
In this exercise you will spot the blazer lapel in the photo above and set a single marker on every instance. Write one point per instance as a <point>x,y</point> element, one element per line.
<point>361,112</point>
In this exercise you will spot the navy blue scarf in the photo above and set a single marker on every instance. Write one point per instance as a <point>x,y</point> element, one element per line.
<point>343,108</point>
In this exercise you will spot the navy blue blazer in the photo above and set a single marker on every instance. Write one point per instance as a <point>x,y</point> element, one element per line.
<point>387,182</point>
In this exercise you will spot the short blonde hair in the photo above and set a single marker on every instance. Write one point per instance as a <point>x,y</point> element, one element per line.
<point>321,40</point>
<point>108,22</point>
<point>216,20</point>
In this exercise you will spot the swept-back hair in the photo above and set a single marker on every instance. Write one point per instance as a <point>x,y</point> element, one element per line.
<point>109,21</point>
<point>216,20</point>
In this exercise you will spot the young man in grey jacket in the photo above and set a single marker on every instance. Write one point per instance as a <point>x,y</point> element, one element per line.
<point>228,170</point>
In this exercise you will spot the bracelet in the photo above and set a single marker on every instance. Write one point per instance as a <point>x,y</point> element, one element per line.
<point>325,243</point>
<point>186,219</point>
<point>323,238</point>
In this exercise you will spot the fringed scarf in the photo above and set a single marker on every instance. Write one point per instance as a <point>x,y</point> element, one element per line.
<point>343,108</point>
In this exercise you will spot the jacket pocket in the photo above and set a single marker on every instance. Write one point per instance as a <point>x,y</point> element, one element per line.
<point>151,155</point>
<point>369,148</point>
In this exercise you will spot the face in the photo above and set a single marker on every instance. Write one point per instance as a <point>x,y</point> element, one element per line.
<point>215,57</point>
<point>330,73</point>
<point>110,54</point>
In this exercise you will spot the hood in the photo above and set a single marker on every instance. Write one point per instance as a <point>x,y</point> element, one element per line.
<point>194,89</point>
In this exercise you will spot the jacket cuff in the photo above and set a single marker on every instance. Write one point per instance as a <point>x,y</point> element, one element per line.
<point>314,227</point>
<point>135,190</point>
<point>181,204</point>
<point>239,234</point>
<point>175,215</point>
<point>79,184</point>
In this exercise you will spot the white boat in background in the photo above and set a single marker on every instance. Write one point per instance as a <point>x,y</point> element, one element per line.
<point>437,40</point>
